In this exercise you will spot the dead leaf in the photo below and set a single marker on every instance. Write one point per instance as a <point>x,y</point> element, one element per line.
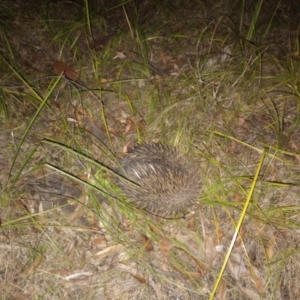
<point>127,148</point>
<point>241,121</point>
<point>138,278</point>
<point>38,260</point>
<point>129,126</point>
<point>221,234</point>
<point>191,222</point>
<point>270,245</point>
<point>106,80</point>
<point>120,55</point>
<point>99,241</point>
<point>237,265</point>
<point>258,283</point>
<point>110,249</point>
<point>176,67</point>
<point>210,250</point>
<point>60,67</point>
<point>269,241</point>
<point>238,197</point>
<point>218,239</point>
<point>164,247</point>
<point>147,244</point>
<point>222,289</point>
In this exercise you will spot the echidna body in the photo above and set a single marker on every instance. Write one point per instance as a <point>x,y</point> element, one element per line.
<point>160,179</point>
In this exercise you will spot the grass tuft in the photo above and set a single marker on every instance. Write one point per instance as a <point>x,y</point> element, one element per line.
<point>83,81</point>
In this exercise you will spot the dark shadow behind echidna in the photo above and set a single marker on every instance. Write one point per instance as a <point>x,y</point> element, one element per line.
<point>160,179</point>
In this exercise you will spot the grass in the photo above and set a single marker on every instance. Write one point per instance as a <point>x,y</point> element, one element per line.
<point>218,80</point>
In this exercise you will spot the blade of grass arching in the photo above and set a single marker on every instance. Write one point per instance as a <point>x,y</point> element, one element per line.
<point>284,152</point>
<point>44,102</point>
<point>270,23</point>
<point>252,26</point>
<point>248,145</point>
<point>239,224</point>
<point>17,223</point>
<point>128,22</point>
<point>77,153</point>
<point>76,179</point>
<point>275,149</point>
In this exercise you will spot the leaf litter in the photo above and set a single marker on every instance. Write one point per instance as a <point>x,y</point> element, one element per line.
<point>221,87</point>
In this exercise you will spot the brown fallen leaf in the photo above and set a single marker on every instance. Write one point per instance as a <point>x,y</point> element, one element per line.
<point>210,250</point>
<point>98,241</point>
<point>237,197</point>
<point>129,126</point>
<point>139,278</point>
<point>270,245</point>
<point>111,249</point>
<point>165,247</point>
<point>191,222</point>
<point>126,149</point>
<point>148,246</point>
<point>259,284</point>
<point>30,269</point>
<point>120,55</point>
<point>222,290</point>
<point>61,67</point>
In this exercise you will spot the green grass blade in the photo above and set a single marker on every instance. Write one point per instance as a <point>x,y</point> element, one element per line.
<point>239,224</point>
<point>43,103</point>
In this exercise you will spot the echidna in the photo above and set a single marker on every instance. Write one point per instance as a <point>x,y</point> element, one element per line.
<point>160,179</point>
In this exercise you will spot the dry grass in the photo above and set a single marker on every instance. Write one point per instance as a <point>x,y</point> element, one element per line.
<point>218,80</point>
